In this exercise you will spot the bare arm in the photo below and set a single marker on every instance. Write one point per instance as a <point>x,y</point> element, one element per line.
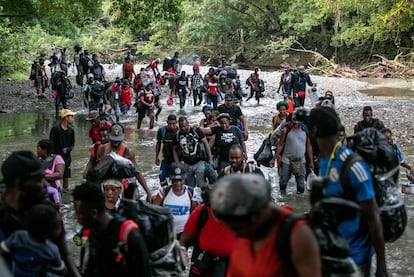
<point>208,150</point>
<point>187,240</point>
<point>309,152</point>
<point>370,210</point>
<point>245,128</point>
<point>140,177</point>
<point>157,152</point>
<point>305,252</point>
<point>175,154</point>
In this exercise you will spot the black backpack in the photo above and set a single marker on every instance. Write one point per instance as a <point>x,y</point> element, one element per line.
<point>372,147</point>
<point>97,91</point>
<point>157,227</point>
<point>32,75</point>
<point>56,77</point>
<point>323,219</point>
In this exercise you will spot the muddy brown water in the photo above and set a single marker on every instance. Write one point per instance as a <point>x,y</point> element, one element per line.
<point>24,130</point>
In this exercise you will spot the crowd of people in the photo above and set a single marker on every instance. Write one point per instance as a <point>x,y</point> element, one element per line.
<point>221,204</point>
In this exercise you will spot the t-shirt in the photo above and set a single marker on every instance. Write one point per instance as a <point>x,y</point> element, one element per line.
<point>50,163</point>
<point>354,231</point>
<point>225,139</point>
<point>264,262</point>
<point>31,258</point>
<point>295,146</point>
<point>179,205</point>
<point>215,237</point>
<point>234,111</point>
<point>62,138</point>
<point>148,96</point>
<point>167,141</point>
<point>188,145</point>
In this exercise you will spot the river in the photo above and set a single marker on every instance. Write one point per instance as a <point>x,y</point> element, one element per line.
<point>24,130</point>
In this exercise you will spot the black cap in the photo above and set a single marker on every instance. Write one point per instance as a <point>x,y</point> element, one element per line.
<point>20,165</point>
<point>177,171</point>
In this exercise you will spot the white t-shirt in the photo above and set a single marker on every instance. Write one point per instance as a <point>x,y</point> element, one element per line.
<point>180,207</point>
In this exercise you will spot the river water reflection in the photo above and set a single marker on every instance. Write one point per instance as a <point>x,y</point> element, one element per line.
<point>24,130</point>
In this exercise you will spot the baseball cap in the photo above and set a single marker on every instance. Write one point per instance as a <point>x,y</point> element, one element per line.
<point>90,75</point>
<point>93,114</point>
<point>238,196</point>
<point>117,133</point>
<point>20,165</point>
<point>177,172</point>
<point>65,112</point>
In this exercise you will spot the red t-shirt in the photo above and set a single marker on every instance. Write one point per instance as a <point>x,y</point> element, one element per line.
<point>94,130</point>
<point>264,262</point>
<point>125,96</point>
<point>215,237</point>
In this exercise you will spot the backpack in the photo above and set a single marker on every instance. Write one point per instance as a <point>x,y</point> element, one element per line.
<point>264,155</point>
<point>56,76</point>
<point>261,86</point>
<point>157,227</point>
<point>32,75</point>
<point>250,169</point>
<point>97,91</point>
<point>190,147</point>
<point>97,71</point>
<point>168,63</point>
<point>372,147</point>
<point>323,220</point>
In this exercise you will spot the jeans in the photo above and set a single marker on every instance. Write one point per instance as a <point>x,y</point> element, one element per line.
<point>195,174</point>
<point>286,173</point>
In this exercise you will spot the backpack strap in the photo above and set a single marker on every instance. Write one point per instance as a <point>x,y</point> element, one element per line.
<point>349,193</point>
<point>126,228</point>
<point>283,241</point>
<point>167,189</point>
<point>163,133</point>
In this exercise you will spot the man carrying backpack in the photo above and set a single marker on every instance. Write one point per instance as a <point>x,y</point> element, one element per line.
<point>364,234</point>
<point>165,137</point>
<point>116,136</point>
<point>107,254</point>
<point>190,147</point>
<point>98,70</point>
<point>94,94</point>
<point>243,202</point>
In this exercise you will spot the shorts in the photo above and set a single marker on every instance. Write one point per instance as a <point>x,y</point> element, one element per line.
<point>124,108</point>
<point>164,171</point>
<point>144,111</point>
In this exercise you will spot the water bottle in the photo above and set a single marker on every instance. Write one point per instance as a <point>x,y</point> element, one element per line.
<point>310,179</point>
<point>272,176</point>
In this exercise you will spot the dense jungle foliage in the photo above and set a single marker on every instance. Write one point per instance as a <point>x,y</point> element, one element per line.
<point>323,33</point>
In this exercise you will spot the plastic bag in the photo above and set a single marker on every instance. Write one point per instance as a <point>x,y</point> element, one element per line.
<point>112,166</point>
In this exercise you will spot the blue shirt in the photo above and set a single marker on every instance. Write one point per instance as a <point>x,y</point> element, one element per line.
<point>354,231</point>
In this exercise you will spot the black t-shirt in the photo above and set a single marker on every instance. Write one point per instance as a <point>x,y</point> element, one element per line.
<point>102,256</point>
<point>225,139</point>
<point>234,111</point>
<point>62,139</point>
<point>190,146</point>
<point>167,137</point>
